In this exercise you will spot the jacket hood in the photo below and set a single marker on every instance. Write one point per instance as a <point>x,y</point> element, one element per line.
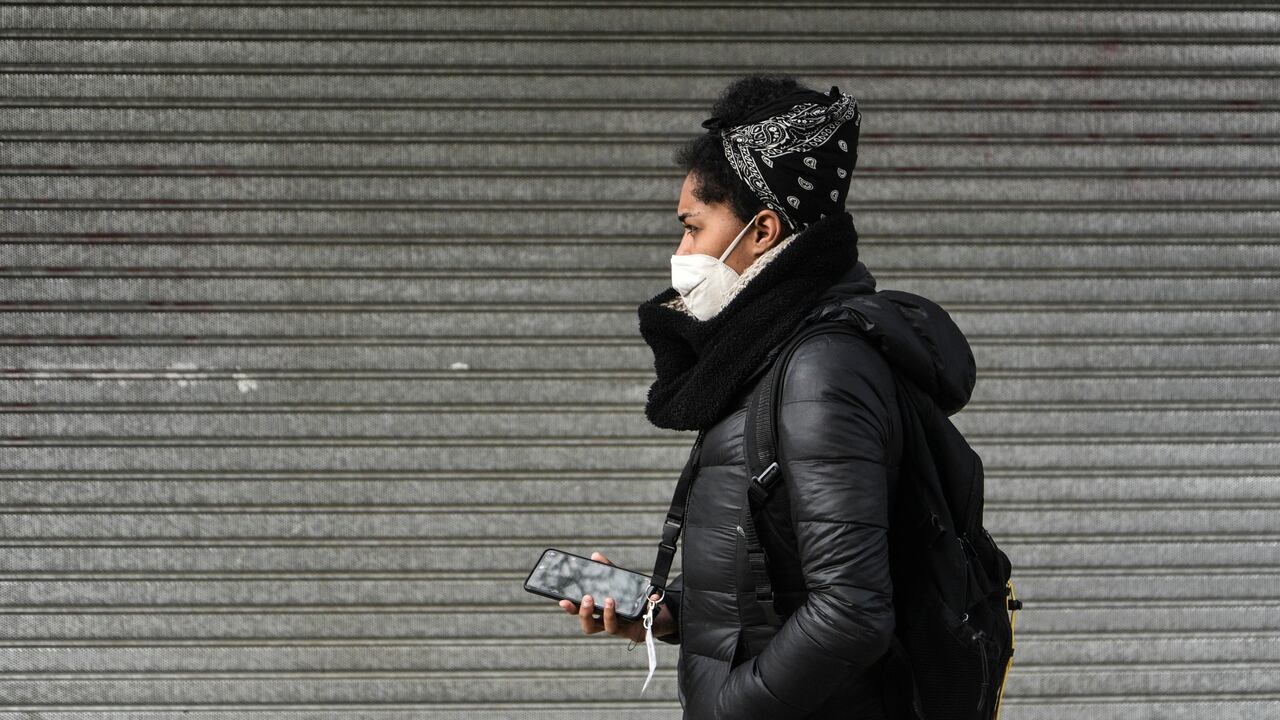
<point>917,337</point>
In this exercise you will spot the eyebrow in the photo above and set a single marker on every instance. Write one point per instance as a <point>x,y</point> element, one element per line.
<point>682,216</point>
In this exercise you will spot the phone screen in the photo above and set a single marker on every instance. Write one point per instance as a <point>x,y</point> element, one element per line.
<point>571,576</point>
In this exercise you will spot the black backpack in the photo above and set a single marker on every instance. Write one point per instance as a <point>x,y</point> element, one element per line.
<point>953,599</point>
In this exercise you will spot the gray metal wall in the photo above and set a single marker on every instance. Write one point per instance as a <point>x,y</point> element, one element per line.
<point>318,325</point>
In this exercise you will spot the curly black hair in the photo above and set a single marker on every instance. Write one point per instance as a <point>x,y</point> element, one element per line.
<point>714,179</point>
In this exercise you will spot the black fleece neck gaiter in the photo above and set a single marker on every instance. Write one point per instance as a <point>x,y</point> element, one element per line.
<point>701,366</point>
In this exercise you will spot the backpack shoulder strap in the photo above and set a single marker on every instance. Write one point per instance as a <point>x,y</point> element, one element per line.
<point>760,440</point>
<point>760,436</point>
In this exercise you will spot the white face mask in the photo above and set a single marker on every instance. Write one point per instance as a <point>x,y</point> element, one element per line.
<point>704,281</point>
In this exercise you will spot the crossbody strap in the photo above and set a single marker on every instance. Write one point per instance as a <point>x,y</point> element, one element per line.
<point>675,518</point>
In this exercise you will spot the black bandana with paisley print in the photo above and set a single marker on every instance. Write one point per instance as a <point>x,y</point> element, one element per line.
<point>796,153</point>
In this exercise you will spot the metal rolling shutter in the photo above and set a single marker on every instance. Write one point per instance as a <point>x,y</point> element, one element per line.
<point>319,324</point>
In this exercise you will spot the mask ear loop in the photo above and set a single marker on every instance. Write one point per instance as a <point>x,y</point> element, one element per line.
<point>729,250</point>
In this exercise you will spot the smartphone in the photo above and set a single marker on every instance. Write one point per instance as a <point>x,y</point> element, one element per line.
<point>564,576</point>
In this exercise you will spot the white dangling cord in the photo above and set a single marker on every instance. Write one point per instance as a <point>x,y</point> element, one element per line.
<point>648,639</point>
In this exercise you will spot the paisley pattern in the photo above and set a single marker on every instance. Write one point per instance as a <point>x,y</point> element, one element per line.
<point>791,142</point>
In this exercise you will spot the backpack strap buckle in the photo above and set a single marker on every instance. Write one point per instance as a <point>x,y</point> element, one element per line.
<point>670,532</point>
<point>762,484</point>
<point>766,476</point>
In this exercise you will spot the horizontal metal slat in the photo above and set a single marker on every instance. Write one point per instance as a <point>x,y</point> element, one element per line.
<point>427,185</point>
<point>335,690</point>
<point>518,624</point>
<point>920,257</point>
<point>204,656</point>
<point>203,486</point>
<point>534,522</point>
<point>531,219</point>
<point>408,590</point>
<point>342,658</point>
<point>1233,707</point>
<point>1062,123</point>
<point>1029,353</point>
<point>579,710</point>
<point>142,557</point>
<point>660,53</point>
<point>182,384</point>
<point>1202,453</point>
<point>1050,420</point>
<point>622,287</point>
<point>878,153</point>
<point>533,19</point>
<point>536,686</point>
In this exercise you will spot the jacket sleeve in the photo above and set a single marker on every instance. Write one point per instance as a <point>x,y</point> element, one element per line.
<point>672,601</point>
<point>834,422</point>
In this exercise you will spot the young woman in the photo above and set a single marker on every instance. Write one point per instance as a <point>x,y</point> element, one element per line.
<point>767,248</point>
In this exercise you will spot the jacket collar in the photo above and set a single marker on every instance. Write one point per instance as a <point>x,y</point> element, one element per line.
<point>702,366</point>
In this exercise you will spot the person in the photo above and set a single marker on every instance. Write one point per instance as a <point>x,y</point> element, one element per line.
<point>769,248</point>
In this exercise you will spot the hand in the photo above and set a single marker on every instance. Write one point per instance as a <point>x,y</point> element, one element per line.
<point>633,630</point>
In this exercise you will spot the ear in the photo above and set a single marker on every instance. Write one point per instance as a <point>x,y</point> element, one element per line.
<point>769,231</point>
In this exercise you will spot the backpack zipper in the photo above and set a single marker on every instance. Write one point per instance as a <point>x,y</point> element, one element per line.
<point>979,639</point>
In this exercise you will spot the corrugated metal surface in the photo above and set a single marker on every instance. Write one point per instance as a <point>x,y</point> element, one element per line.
<point>319,323</point>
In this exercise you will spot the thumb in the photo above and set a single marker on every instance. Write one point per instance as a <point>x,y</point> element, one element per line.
<point>600,556</point>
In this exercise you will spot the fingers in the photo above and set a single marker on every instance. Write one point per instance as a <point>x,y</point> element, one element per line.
<point>610,622</point>
<point>590,625</point>
<point>610,617</point>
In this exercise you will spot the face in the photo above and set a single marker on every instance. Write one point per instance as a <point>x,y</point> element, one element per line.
<point>710,228</point>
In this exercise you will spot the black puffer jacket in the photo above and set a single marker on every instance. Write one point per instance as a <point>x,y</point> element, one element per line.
<point>839,443</point>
